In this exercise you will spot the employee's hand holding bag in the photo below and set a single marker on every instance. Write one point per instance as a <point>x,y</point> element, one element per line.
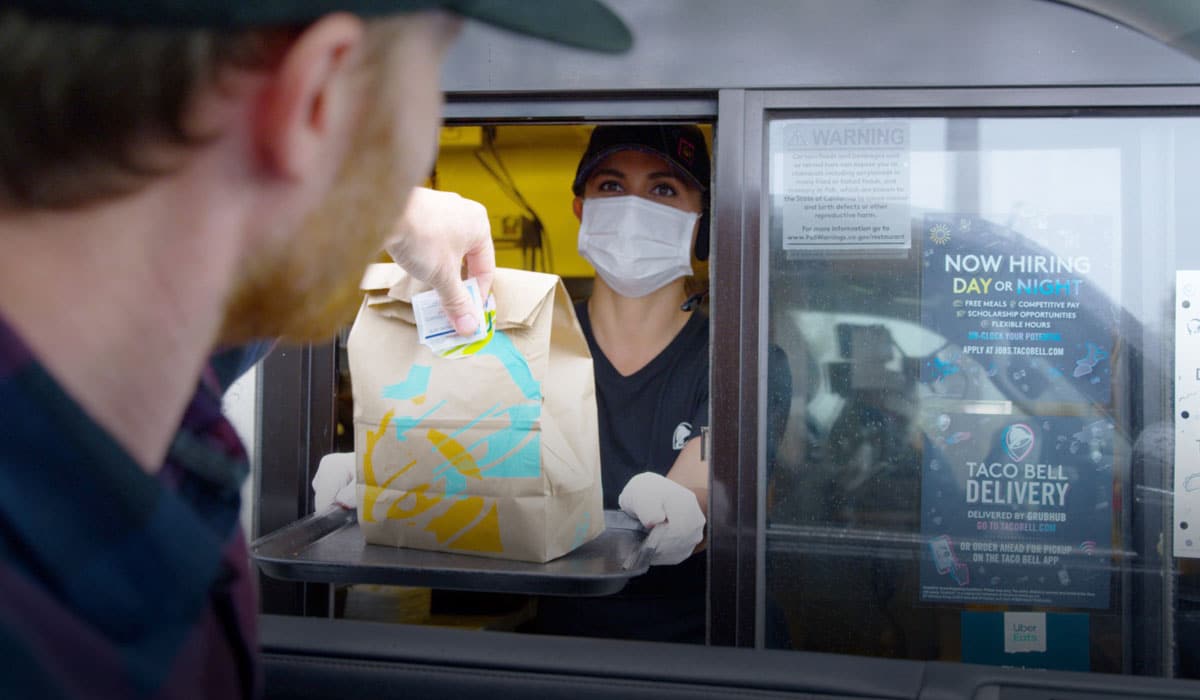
<point>335,482</point>
<point>671,512</point>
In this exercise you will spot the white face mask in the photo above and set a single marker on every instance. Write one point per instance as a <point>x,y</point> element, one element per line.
<point>637,246</point>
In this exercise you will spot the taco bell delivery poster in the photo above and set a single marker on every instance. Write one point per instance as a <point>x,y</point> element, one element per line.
<point>1017,510</point>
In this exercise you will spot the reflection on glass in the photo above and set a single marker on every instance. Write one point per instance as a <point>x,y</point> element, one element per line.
<point>976,464</point>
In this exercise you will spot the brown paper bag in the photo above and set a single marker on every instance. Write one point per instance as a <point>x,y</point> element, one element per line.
<point>494,454</point>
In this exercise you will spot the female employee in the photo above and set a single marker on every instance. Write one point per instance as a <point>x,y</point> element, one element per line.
<point>641,194</point>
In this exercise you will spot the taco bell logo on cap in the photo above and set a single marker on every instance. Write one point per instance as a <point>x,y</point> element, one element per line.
<point>686,150</point>
<point>1018,441</point>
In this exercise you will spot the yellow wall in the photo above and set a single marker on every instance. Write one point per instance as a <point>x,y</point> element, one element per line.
<point>542,160</point>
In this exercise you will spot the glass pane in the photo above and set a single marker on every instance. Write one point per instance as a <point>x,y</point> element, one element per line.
<point>975,461</point>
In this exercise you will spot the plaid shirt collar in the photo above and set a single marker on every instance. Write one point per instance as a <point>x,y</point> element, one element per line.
<point>134,556</point>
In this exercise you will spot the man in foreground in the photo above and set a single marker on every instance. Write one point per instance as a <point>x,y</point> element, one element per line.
<point>175,178</point>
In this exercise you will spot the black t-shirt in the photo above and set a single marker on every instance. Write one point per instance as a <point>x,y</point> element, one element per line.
<point>644,420</point>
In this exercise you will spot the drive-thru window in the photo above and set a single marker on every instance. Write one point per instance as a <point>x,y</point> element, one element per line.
<point>966,235</point>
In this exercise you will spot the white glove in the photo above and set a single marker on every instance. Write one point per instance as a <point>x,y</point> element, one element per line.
<point>334,482</point>
<point>672,512</point>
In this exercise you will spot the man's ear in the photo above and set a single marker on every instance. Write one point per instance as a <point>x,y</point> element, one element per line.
<point>577,207</point>
<point>307,111</point>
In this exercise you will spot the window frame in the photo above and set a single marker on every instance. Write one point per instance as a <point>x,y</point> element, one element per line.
<point>297,384</point>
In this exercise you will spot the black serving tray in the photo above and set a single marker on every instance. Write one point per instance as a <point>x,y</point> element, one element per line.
<point>328,547</point>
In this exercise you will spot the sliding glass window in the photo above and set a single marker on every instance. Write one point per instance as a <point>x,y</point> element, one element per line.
<point>977,459</point>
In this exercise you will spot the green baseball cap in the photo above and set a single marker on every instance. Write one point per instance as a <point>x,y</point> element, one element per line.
<point>587,24</point>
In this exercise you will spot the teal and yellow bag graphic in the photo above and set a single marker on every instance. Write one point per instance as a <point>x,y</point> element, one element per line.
<point>493,453</point>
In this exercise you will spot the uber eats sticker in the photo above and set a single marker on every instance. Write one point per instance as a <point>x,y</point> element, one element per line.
<point>1017,510</point>
<point>1027,639</point>
<point>1029,310</point>
<point>1024,632</point>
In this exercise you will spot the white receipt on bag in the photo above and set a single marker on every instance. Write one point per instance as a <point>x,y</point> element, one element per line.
<point>435,329</point>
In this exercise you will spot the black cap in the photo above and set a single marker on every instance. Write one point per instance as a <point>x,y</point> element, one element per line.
<point>681,145</point>
<point>587,24</point>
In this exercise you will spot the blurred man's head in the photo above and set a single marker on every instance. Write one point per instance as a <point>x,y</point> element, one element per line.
<point>320,123</point>
<point>304,286</point>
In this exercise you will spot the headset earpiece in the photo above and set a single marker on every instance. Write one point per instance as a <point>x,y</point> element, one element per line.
<point>701,249</point>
